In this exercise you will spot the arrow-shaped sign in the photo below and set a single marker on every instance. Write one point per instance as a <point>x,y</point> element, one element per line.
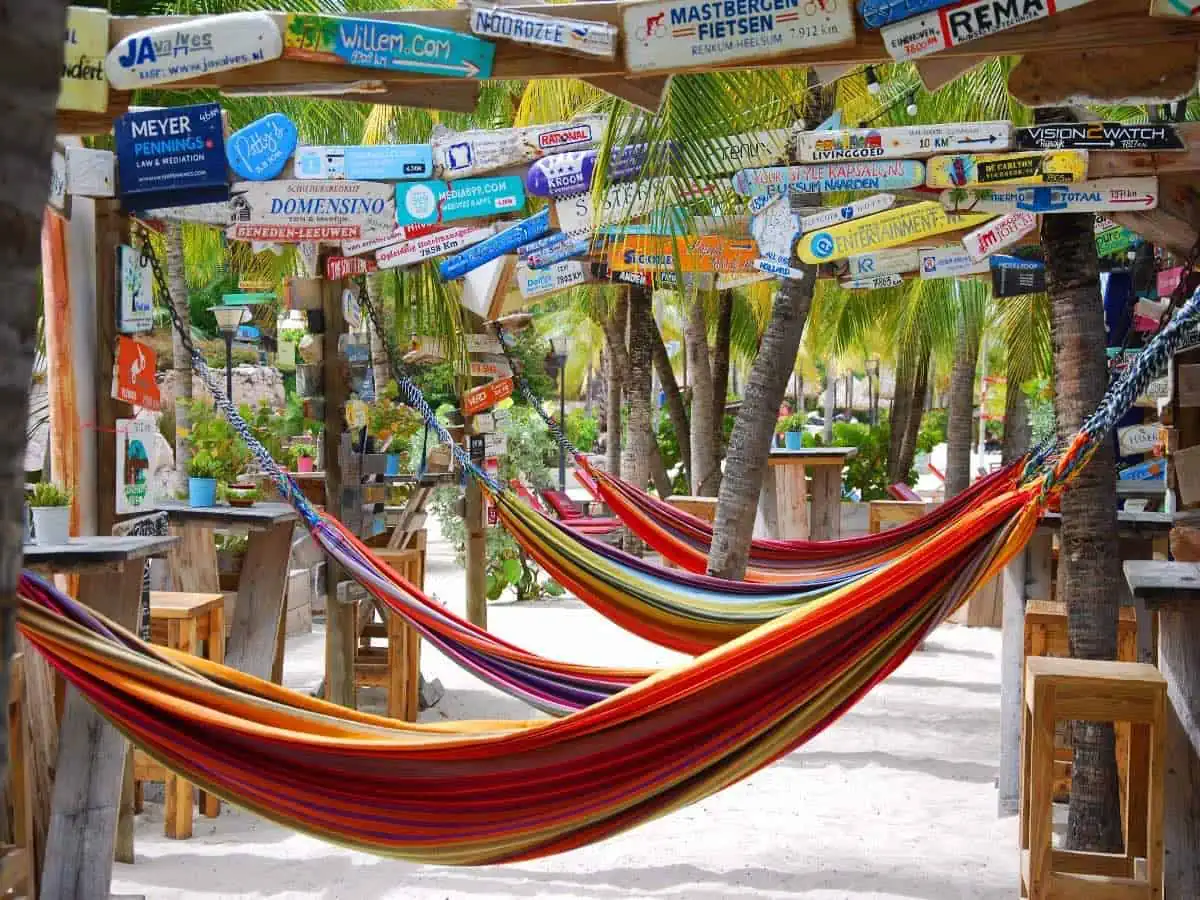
<point>1102,195</point>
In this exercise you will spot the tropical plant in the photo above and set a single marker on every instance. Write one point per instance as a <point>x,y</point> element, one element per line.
<point>212,437</point>
<point>582,429</point>
<point>204,465</point>
<point>299,451</point>
<point>44,493</point>
<point>793,422</point>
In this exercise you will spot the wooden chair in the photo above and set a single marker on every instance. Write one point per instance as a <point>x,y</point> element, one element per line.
<point>186,622</point>
<point>1096,691</point>
<point>884,513</point>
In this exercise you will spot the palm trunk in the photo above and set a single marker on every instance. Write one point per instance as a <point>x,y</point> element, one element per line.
<point>750,443</point>
<point>916,411</point>
<point>959,417</point>
<point>380,367</point>
<point>1089,559</point>
<point>181,363</point>
<point>1017,427</point>
<point>720,382</point>
<point>675,407</point>
<point>902,393</point>
<point>636,459</point>
<point>31,44</point>
<point>830,403</point>
<point>704,419</point>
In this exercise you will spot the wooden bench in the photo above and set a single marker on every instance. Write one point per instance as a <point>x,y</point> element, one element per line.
<point>884,513</point>
<point>701,507</point>
<point>186,622</point>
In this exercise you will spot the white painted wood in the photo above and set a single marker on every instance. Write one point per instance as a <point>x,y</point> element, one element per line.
<point>540,282</point>
<point>948,262</point>
<point>574,36</point>
<point>463,154</point>
<point>1012,651</point>
<point>622,203</point>
<point>874,283</point>
<point>430,246</point>
<point>998,234</point>
<point>280,210</point>
<point>91,173</point>
<point>883,262</point>
<point>903,141</point>
<point>856,209</point>
<point>1101,195</point>
<point>967,21</point>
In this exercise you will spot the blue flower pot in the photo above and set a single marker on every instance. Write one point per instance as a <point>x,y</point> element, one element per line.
<point>393,464</point>
<point>202,492</point>
<point>794,440</point>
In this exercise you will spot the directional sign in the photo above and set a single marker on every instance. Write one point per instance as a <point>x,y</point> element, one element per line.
<point>91,172</point>
<point>779,270</point>
<point>171,157</point>
<point>574,36</point>
<point>877,13</point>
<point>774,230</point>
<point>601,271</point>
<point>901,225</point>
<point>135,312</point>
<point>506,241</point>
<point>430,202</point>
<point>622,202</point>
<point>962,22</point>
<point>482,398</point>
<point>1135,439</point>
<point>539,282</point>
<point>259,151</point>
<point>380,44</point>
<point>963,169</point>
<point>194,47</point>
<point>381,162</point>
<point>998,234</point>
<point>134,380</point>
<point>84,84</point>
<point>898,143</point>
<point>883,262</point>
<point>566,174</point>
<point>702,34</point>
<point>875,283</point>
<point>431,246</point>
<point>339,267</point>
<point>855,210</point>
<point>1114,240</point>
<point>541,245</point>
<point>949,262</point>
<point>1099,136</point>
<point>558,253</point>
<point>887,175</point>
<point>1104,194</point>
<point>1013,276</point>
<point>399,233</point>
<point>710,253</point>
<point>490,367</point>
<point>460,154</point>
<point>295,211</point>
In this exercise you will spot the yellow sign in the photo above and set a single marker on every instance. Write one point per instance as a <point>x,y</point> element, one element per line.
<point>708,253</point>
<point>84,85</point>
<point>892,228</point>
<point>253,285</point>
<point>963,169</point>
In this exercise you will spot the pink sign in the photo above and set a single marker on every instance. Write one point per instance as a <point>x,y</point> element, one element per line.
<point>1168,280</point>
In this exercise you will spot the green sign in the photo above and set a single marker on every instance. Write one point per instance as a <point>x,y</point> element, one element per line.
<point>246,299</point>
<point>1114,240</point>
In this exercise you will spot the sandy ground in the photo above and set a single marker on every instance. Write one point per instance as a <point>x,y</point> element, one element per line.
<point>896,800</point>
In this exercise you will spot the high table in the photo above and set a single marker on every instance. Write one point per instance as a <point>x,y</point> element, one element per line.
<point>259,616</point>
<point>783,506</point>
<point>85,802</point>
<point>1172,589</point>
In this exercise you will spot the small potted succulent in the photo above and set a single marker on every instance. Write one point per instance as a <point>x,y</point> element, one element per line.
<point>203,471</point>
<point>242,494</point>
<point>51,506</point>
<point>303,455</point>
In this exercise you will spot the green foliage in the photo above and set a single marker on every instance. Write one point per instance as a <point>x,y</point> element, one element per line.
<point>668,449</point>
<point>45,494</point>
<point>266,426</point>
<point>204,465</point>
<point>867,471</point>
<point>1043,424</point>
<point>794,422</point>
<point>583,429</point>
<point>933,430</point>
<point>214,441</point>
<point>298,450</point>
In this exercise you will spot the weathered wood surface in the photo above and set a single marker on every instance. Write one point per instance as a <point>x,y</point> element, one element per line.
<point>791,502</point>
<point>193,561</point>
<point>1160,583</point>
<point>1129,524</point>
<point>1008,783</point>
<point>1160,73</point>
<point>1151,489</point>
<point>812,456</point>
<point>826,513</point>
<point>85,553</point>
<point>254,637</point>
<point>260,514</point>
<point>91,763</point>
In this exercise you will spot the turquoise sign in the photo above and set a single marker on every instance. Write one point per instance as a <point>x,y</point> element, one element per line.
<point>507,241</point>
<point>259,151</point>
<point>379,44</point>
<point>435,202</point>
<point>376,162</point>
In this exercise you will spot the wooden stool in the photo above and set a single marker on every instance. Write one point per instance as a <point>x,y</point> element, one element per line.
<point>182,621</point>
<point>1095,691</point>
<point>398,666</point>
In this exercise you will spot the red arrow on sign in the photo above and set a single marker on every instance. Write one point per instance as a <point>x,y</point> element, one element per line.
<point>481,398</point>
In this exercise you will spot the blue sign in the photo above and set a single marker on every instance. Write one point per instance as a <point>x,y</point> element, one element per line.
<point>541,245</point>
<point>877,13</point>
<point>1150,470</point>
<point>567,174</point>
<point>558,253</point>
<point>506,241</point>
<point>395,46</point>
<point>259,151</point>
<point>435,202</point>
<point>171,157</point>
<point>383,162</point>
<point>1013,276</point>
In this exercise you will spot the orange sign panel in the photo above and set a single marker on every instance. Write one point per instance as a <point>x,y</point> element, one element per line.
<point>133,380</point>
<point>707,253</point>
<point>481,398</point>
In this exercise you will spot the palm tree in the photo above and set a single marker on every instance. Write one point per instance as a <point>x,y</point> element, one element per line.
<point>181,363</point>
<point>636,461</point>
<point>960,417</point>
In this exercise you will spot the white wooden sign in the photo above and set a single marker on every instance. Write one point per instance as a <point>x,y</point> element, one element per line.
<point>399,233</point>
<point>490,367</point>
<point>58,181</point>
<point>91,173</point>
<point>196,47</point>
<point>875,283</point>
<point>997,234</point>
<point>558,277</point>
<point>962,22</point>
<point>197,214</point>
<point>135,312</point>
<point>775,230</point>
<point>135,479</point>
<point>463,154</point>
<point>296,211</point>
<point>858,208</point>
<point>430,246</point>
<point>574,36</point>
<point>622,202</point>
<point>949,262</point>
<point>883,262</point>
<point>1101,195</point>
<point>483,343</point>
<point>701,33</point>
<point>902,142</point>
<point>1136,439</point>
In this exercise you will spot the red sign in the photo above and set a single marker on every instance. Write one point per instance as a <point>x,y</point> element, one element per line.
<point>1168,280</point>
<point>339,267</point>
<point>481,398</point>
<point>133,380</point>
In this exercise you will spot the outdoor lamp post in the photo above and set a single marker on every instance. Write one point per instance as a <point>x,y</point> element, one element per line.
<point>228,319</point>
<point>556,364</point>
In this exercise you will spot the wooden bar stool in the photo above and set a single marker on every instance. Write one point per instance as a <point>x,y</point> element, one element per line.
<point>187,622</point>
<point>1096,691</point>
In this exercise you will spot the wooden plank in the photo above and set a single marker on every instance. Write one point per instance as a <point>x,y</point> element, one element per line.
<point>1158,73</point>
<point>826,515</point>
<point>448,95</point>
<point>261,514</point>
<point>193,561</point>
<point>253,638</point>
<point>937,72</point>
<point>644,93</point>
<point>1179,662</point>
<point>791,503</point>
<point>91,762</point>
<point>1176,221</point>
<point>88,552</point>
<point>1110,164</point>
<point>1011,655</point>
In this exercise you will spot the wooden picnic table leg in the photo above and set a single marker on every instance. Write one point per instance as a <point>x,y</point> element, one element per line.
<point>193,561</point>
<point>791,496</point>
<point>254,637</point>
<point>91,762</point>
<point>178,794</point>
<point>826,524</point>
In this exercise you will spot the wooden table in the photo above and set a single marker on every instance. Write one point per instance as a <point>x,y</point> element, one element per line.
<point>701,507</point>
<point>1173,590</point>
<point>260,615</point>
<point>783,506</point>
<point>86,798</point>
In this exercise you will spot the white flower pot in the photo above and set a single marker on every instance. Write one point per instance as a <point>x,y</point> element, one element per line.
<point>52,524</point>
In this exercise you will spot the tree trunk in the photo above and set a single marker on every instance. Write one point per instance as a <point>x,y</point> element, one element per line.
<point>1089,559</point>
<point>959,417</point>
<point>658,469</point>
<point>830,403</point>
<point>380,368</point>
<point>181,363</point>
<point>902,394</point>
<point>1017,427</point>
<point>916,411</point>
<point>704,418</point>
<point>618,364</point>
<point>720,381</point>
<point>675,408</point>
<point>31,42</point>
<point>636,459</point>
<point>750,443</point>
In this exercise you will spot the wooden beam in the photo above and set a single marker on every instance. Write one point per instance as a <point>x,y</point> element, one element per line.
<point>1110,164</point>
<point>644,93</point>
<point>1132,75</point>
<point>1175,223</point>
<point>449,95</point>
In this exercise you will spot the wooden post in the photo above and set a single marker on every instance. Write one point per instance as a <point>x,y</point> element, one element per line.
<point>1011,652</point>
<point>1179,662</point>
<point>476,551</point>
<point>260,604</point>
<point>340,628</point>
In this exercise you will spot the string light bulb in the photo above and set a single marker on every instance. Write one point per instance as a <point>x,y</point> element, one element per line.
<point>911,109</point>
<point>873,85</point>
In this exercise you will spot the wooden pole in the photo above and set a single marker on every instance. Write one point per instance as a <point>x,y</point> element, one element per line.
<point>476,525</point>
<point>1012,648</point>
<point>340,626</point>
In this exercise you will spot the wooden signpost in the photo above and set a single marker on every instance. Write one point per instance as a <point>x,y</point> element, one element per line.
<point>462,154</point>
<point>567,174</point>
<point>648,253</point>
<point>84,84</point>
<point>573,36</point>
<point>622,202</point>
<point>898,143</point>
<point>294,211</point>
<point>998,234</point>
<point>774,231</point>
<point>854,210</point>
<point>259,151</point>
<point>874,283</point>
<point>883,262</point>
<point>949,262</point>
<point>498,245</point>
<point>960,23</point>
<point>1153,136</point>
<point>541,282</point>
<point>560,252</point>
<point>1102,195</point>
<point>436,202</point>
<point>481,398</point>
<point>1013,276</point>
<point>431,246</point>
<point>339,267</point>
<point>886,175</point>
<point>686,33</point>
<point>381,162</point>
<point>963,169</point>
<point>901,225</point>
<point>399,233</point>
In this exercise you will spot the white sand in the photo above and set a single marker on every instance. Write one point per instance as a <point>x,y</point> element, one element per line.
<point>896,800</point>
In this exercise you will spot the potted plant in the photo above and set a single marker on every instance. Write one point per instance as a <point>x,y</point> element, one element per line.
<point>243,494</point>
<point>202,480</point>
<point>303,455</point>
<point>792,429</point>
<point>51,507</point>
